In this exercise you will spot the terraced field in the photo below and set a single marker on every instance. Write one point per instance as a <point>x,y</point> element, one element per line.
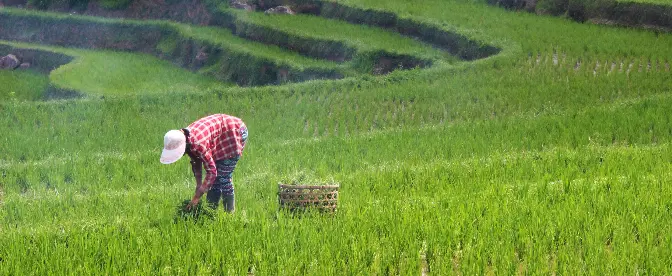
<point>660,2</point>
<point>466,139</point>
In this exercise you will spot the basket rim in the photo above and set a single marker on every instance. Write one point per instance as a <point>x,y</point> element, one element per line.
<point>290,186</point>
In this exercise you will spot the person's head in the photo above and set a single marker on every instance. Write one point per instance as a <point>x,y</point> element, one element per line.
<point>174,143</point>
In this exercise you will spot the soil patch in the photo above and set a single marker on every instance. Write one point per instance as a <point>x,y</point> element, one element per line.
<point>41,61</point>
<point>44,62</point>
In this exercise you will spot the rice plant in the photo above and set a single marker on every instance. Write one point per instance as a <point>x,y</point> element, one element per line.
<point>533,161</point>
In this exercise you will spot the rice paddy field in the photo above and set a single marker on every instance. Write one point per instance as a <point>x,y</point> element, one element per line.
<point>22,85</point>
<point>552,155</point>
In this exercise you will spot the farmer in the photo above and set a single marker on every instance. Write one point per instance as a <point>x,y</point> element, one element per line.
<point>216,142</point>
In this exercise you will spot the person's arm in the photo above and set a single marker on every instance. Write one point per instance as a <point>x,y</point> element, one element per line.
<point>197,168</point>
<point>210,175</point>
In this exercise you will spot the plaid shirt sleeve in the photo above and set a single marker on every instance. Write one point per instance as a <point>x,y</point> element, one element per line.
<point>205,156</point>
<point>210,169</point>
<point>196,167</point>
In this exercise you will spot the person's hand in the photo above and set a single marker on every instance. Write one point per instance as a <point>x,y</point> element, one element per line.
<point>192,203</point>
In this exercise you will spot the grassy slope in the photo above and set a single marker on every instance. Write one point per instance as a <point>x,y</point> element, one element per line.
<point>22,85</point>
<point>661,2</point>
<point>506,166</point>
<point>114,73</point>
<point>531,32</point>
<point>218,36</point>
<point>142,78</point>
<point>225,38</point>
<point>363,38</point>
<point>118,73</point>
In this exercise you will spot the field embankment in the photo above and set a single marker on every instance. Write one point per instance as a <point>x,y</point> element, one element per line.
<point>656,15</point>
<point>368,60</point>
<point>33,83</point>
<point>227,60</point>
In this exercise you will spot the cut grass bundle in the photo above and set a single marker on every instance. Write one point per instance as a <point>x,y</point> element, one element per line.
<point>198,212</point>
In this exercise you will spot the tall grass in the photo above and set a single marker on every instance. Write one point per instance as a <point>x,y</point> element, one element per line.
<point>170,33</point>
<point>536,161</point>
<point>531,32</point>
<point>102,73</point>
<point>363,38</point>
<point>661,2</point>
<point>226,38</point>
<point>22,85</point>
<point>110,73</point>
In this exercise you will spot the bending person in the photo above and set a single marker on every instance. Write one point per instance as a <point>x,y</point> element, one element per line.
<point>216,142</point>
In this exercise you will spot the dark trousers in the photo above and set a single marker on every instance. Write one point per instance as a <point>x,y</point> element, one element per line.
<point>228,201</point>
<point>223,186</point>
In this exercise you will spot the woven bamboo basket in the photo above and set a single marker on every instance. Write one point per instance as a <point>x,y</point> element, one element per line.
<point>302,197</point>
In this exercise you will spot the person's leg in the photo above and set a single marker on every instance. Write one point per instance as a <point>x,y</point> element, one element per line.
<point>225,171</point>
<point>229,203</point>
<point>214,194</point>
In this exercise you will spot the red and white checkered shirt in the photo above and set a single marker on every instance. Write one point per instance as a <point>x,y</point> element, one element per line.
<point>216,137</point>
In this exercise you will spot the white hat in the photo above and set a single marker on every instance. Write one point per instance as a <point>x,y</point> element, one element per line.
<point>173,146</point>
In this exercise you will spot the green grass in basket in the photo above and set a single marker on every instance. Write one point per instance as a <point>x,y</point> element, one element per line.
<point>305,178</point>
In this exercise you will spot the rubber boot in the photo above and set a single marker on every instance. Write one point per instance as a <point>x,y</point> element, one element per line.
<point>229,203</point>
<point>213,198</point>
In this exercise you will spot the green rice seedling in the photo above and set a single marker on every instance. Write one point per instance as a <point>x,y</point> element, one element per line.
<point>198,212</point>
<point>226,38</point>
<point>107,73</point>
<point>238,55</point>
<point>498,166</point>
<point>364,38</point>
<point>660,2</point>
<point>22,85</point>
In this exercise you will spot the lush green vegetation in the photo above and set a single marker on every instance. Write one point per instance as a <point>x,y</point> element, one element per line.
<point>225,38</point>
<point>363,38</point>
<point>552,157</point>
<point>660,2</point>
<point>638,14</point>
<point>116,73</point>
<point>22,85</point>
<point>110,73</point>
<point>77,4</point>
<point>168,40</point>
<point>368,42</point>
